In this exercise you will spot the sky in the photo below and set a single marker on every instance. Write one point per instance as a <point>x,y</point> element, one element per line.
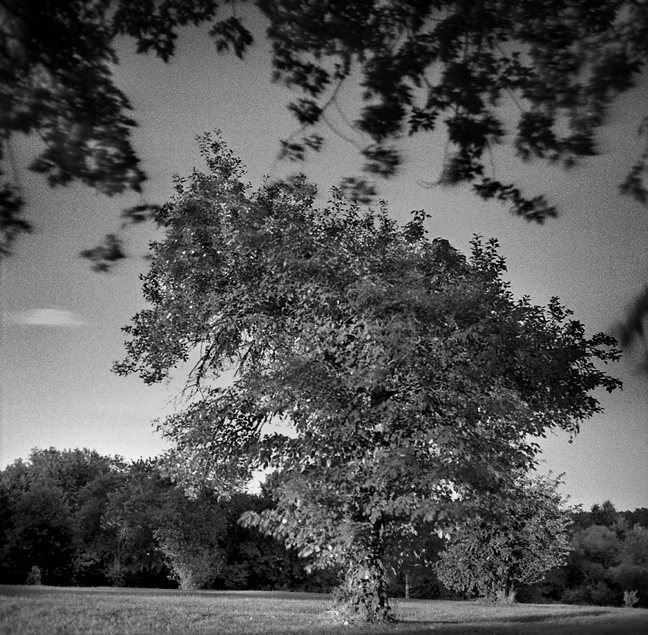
<point>61,322</point>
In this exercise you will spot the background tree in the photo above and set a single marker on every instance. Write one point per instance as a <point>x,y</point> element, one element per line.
<point>608,557</point>
<point>189,534</point>
<point>71,470</point>
<point>512,541</point>
<point>330,319</point>
<point>410,557</point>
<point>41,536</point>
<point>632,572</point>
<point>132,516</point>
<point>637,517</point>
<point>605,514</point>
<point>95,539</point>
<point>74,481</point>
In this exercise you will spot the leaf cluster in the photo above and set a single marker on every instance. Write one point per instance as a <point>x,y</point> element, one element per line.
<point>56,81</point>
<point>609,558</point>
<point>556,65</point>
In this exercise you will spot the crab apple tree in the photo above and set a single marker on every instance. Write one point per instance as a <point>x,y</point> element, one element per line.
<point>389,379</point>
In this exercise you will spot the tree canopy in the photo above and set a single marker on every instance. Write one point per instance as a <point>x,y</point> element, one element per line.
<point>539,77</point>
<point>406,379</point>
<point>77,518</point>
<point>558,65</point>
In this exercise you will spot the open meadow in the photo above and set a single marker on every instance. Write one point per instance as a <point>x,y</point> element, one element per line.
<point>109,611</point>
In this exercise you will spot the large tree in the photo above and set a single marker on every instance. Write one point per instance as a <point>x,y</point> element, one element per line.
<point>189,534</point>
<point>405,378</point>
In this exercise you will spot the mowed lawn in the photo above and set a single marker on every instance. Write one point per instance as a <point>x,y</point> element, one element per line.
<point>72,611</point>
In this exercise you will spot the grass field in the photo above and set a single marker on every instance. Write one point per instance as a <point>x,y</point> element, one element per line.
<point>82,611</point>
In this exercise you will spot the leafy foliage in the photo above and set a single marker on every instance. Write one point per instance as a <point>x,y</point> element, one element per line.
<point>608,559</point>
<point>41,534</point>
<point>633,328</point>
<point>406,378</point>
<point>421,64</point>
<point>132,515</point>
<point>514,541</point>
<point>558,65</point>
<point>55,63</point>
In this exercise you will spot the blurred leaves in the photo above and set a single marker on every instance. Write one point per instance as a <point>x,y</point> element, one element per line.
<point>105,255</point>
<point>633,327</point>
<point>560,65</point>
<point>56,82</point>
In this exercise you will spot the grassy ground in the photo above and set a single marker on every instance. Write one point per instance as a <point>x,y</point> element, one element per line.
<point>59,611</point>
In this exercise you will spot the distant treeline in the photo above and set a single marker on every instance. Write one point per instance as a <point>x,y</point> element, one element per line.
<point>77,518</point>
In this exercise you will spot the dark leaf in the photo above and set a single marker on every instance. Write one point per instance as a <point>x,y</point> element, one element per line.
<point>231,33</point>
<point>105,256</point>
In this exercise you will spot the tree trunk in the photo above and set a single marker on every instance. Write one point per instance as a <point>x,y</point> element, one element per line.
<point>511,592</point>
<point>362,596</point>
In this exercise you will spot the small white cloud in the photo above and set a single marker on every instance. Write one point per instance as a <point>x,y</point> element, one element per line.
<point>48,317</point>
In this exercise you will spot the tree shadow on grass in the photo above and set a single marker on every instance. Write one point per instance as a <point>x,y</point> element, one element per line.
<point>556,623</point>
<point>544,618</point>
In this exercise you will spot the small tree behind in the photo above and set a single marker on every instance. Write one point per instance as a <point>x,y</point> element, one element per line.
<point>512,541</point>
<point>189,534</point>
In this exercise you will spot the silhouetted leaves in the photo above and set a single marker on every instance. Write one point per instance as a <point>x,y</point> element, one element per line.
<point>11,224</point>
<point>633,327</point>
<point>306,111</point>
<point>381,160</point>
<point>56,82</point>
<point>104,256</point>
<point>230,33</point>
<point>357,189</point>
<point>420,63</point>
<point>140,213</point>
<point>559,65</point>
